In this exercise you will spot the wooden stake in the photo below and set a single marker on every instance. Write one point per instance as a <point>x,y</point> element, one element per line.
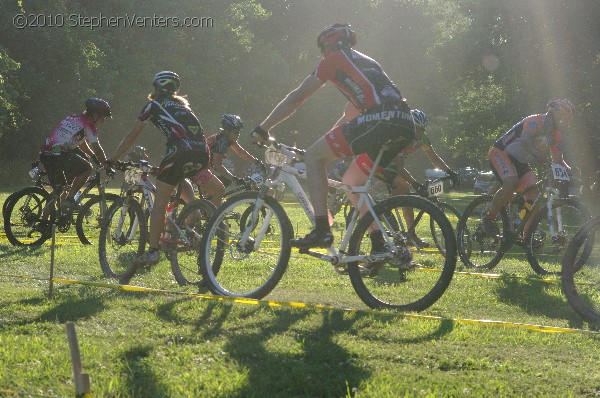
<point>51,285</point>
<point>82,380</point>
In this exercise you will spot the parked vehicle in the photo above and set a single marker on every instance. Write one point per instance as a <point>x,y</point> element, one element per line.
<point>484,182</point>
<point>467,175</point>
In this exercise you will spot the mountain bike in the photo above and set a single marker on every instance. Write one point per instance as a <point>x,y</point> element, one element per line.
<point>32,211</point>
<point>247,258</point>
<point>124,235</point>
<point>580,274</point>
<point>433,188</point>
<point>549,226</point>
<point>37,176</point>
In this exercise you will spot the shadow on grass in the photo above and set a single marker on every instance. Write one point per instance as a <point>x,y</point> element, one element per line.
<point>312,365</point>
<point>532,297</point>
<point>64,309</point>
<point>7,251</point>
<point>140,378</point>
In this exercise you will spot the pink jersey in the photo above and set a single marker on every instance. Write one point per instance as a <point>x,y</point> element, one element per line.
<point>69,134</point>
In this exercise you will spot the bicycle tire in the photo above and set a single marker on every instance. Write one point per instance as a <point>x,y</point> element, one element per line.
<point>118,249</point>
<point>450,211</point>
<point>580,281</point>
<point>9,199</point>
<point>252,271</point>
<point>23,214</point>
<point>474,248</point>
<point>542,253</point>
<point>89,219</point>
<point>393,287</point>
<point>183,257</point>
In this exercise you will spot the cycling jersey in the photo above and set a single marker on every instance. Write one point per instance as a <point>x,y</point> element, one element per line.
<point>359,78</point>
<point>219,143</point>
<point>424,143</point>
<point>175,120</point>
<point>529,139</point>
<point>69,134</point>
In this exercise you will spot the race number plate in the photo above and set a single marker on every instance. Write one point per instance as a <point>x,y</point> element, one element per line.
<point>257,178</point>
<point>436,188</point>
<point>560,172</point>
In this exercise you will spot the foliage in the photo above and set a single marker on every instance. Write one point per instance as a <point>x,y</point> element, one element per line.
<point>439,52</point>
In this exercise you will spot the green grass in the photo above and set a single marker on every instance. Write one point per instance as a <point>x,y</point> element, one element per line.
<point>162,345</point>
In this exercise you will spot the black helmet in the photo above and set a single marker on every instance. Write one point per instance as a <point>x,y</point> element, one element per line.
<point>337,33</point>
<point>98,106</point>
<point>232,122</point>
<point>167,81</point>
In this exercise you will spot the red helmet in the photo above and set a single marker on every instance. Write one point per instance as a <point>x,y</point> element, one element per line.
<point>339,34</point>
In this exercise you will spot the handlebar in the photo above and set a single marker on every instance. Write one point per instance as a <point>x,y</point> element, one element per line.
<point>142,164</point>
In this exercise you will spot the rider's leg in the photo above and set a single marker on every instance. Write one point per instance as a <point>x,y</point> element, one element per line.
<point>215,190</point>
<point>212,188</point>
<point>526,181</point>
<point>186,190</point>
<point>401,187</point>
<point>506,171</point>
<point>316,158</point>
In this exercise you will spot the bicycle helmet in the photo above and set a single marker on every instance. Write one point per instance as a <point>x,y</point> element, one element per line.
<point>140,152</point>
<point>420,118</point>
<point>562,106</point>
<point>167,81</point>
<point>97,106</point>
<point>231,122</point>
<point>337,33</point>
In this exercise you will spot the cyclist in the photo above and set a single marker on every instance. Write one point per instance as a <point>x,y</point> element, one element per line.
<point>212,186</point>
<point>396,175</point>
<point>63,154</point>
<point>186,153</point>
<point>512,153</point>
<point>376,114</point>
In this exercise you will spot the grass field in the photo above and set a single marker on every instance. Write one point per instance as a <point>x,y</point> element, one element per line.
<point>172,344</point>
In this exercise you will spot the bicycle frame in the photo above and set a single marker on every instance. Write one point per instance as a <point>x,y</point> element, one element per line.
<point>552,194</point>
<point>148,190</point>
<point>285,174</point>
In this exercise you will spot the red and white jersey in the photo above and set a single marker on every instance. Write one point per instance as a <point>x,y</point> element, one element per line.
<point>69,134</point>
<point>359,78</point>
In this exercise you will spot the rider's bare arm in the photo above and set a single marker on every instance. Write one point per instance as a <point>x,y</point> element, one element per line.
<point>99,152</point>
<point>435,159</point>
<point>217,165</point>
<point>399,159</point>
<point>292,102</point>
<point>86,148</point>
<point>242,153</point>
<point>128,140</point>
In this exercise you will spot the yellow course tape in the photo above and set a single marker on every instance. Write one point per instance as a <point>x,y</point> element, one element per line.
<point>294,304</point>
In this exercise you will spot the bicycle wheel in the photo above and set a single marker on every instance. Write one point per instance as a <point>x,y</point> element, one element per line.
<point>252,270</point>
<point>453,216</point>
<point>413,278</point>
<point>544,252</point>
<point>90,217</point>
<point>184,256</point>
<point>7,201</point>
<point>23,216</point>
<point>581,280</point>
<point>476,250</point>
<point>122,238</point>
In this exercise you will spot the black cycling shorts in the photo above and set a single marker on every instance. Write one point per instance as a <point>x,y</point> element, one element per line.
<point>65,166</point>
<point>389,125</point>
<point>179,163</point>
